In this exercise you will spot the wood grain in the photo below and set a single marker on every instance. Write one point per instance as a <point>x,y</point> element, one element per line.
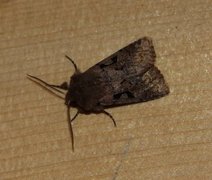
<point>170,138</point>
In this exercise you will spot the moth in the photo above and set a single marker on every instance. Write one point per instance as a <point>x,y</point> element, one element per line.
<point>128,76</point>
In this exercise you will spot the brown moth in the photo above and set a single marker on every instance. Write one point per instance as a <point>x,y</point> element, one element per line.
<point>127,76</point>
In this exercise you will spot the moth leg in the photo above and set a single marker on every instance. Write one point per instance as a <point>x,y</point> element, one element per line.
<point>75,66</point>
<point>75,116</point>
<point>70,127</point>
<point>110,116</point>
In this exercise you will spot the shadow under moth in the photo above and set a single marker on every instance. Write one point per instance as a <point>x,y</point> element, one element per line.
<point>127,76</point>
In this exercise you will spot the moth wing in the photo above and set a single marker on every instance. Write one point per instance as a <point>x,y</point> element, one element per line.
<point>127,76</point>
<point>148,86</point>
<point>136,57</point>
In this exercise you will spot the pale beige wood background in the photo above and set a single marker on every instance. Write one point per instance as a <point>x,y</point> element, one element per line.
<point>170,138</point>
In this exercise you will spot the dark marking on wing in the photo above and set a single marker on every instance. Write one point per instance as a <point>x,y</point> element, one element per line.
<point>113,61</point>
<point>125,94</point>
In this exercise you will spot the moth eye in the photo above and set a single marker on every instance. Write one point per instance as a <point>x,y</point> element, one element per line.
<point>72,103</point>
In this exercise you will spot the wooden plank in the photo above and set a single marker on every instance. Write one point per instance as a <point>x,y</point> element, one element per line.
<point>170,138</point>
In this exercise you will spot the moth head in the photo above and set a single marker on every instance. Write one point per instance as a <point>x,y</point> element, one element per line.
<point>70,100</point>
<point>73,94</point>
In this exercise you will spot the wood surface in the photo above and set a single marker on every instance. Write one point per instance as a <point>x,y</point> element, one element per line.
<point>169,138</point>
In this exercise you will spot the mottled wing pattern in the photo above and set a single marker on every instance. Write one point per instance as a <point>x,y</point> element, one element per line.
<point>151,85</point>
<point>129,75</point>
